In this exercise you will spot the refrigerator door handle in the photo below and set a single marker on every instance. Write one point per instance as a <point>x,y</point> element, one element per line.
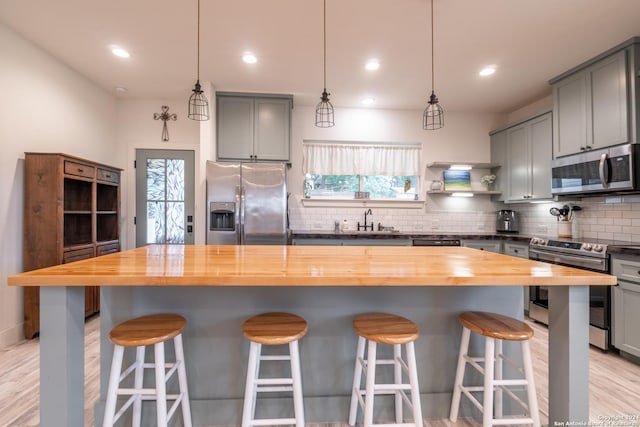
<point>242,199</point>
<point>237,214</point>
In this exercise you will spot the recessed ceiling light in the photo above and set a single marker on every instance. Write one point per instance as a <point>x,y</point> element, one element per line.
<point>372,64</point>
<point>367,101</point>
<point>119,52</point>
<point>121,89</point>
<point>488,70</point>
<point>249,58</point>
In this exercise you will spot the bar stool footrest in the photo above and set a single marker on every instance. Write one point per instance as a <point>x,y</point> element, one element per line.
<point>273,421</point>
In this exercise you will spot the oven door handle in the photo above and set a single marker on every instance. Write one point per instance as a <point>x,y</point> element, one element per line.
<point>547,256</point>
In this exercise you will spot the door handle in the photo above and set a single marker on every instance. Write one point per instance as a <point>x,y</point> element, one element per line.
<point>237,214</point>
<point>242,215</point>
<point>602,170</point>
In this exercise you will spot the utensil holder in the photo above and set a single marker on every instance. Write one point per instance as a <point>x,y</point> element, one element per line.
<point>565,229</point>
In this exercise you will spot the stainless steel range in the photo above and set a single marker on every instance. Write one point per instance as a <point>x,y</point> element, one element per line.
<point>587,255</point>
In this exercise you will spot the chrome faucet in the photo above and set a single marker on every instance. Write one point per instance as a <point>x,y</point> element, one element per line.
<point>366,226</point>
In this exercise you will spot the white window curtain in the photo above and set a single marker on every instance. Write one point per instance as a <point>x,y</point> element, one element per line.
<point>325,158</point>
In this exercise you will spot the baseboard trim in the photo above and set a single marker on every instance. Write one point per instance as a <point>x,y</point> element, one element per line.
<point>11,336</point>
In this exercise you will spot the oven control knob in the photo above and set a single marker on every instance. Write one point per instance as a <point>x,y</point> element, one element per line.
<point>587,246</point>
<point>597,248</point>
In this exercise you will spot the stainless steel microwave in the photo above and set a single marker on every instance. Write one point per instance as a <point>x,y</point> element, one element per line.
<point>609,170</point>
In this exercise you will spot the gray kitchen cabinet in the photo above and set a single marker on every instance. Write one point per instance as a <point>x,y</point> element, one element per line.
<point>626,304</point>
<point>377,242</point>
<point>253,127</point>
<point>499,155</point>
<point>352,242</point>
<point>484,245</point>
<point>316,242</point>
<point>520,250</point>
<point>529,159</point>
<point>591,106</point>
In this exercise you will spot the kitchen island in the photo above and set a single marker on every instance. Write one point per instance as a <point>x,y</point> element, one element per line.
<point>217,287</point>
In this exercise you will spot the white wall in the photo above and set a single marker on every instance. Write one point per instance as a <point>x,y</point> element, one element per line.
<point>464,138</point>
<point>45,107</point>
<point>136,129</point>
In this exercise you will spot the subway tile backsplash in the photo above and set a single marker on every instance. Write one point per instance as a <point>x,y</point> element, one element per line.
<point>614,218</point>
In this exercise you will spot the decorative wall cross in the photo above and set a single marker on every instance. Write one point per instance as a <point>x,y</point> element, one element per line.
<point>164,116</point>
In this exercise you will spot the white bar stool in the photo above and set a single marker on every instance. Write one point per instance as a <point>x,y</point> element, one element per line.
<point>383,328</point>
<point>495,328</point>
<point>273,329</point>
<point>140,332</point>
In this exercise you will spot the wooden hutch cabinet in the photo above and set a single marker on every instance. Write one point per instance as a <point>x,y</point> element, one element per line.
<point>71,212</point>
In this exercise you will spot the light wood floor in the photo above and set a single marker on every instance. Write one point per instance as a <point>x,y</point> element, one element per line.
<point>614,383</point>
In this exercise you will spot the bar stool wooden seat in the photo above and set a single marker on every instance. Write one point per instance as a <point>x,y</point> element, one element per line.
<point>384,328</point>
<point>140,332</point>
<point>273,329</point>
<point>496,328</point>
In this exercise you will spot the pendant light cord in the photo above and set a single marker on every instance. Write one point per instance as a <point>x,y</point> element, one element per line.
<point>324,43</point>
<point>432,45</point>
<point>198,62</point>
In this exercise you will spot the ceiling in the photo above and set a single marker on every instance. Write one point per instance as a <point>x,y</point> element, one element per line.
<point>530,41</point>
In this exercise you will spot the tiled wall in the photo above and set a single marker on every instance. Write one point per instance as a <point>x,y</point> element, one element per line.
<point>404,220</point>
<point>614,218</point>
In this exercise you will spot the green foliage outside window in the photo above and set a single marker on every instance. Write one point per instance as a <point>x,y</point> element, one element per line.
<point>378,186</point>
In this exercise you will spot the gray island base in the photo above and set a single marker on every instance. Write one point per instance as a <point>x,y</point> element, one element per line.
<point>216,352</point>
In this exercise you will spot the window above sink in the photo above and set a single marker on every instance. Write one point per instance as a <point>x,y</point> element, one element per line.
<point>361,171</point>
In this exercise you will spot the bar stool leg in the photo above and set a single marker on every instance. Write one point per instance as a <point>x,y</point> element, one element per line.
<point>457,384</point>
<point>182,380</point>
<point>489,361</point>
<point>161,390</point>
<point>413,381</point>
<point>357,377</point>
<point>250,391</point>
<point>370,387</point>
<point>138,382</point>
<point>114,382</point>
<point>498,376</point>
<point>298,405</point>
<point>531,387</point>
<point>397,379</point>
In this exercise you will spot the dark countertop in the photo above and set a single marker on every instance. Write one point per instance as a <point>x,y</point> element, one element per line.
<point>627,249</point>
<point>347,235</point>
<point>614,247</point>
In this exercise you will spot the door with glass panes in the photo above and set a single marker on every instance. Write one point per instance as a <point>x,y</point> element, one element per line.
<point>164,197</point>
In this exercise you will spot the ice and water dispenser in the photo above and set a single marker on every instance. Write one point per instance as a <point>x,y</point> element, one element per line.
<point>222,216</point>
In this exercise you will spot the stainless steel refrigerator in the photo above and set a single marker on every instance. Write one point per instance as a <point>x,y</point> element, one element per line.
<point>247,203</point>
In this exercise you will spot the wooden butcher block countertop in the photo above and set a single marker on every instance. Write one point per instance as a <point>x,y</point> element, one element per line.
<point>210,265</point>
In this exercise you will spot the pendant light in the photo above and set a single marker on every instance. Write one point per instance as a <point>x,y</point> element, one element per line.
<point>433,117</point>
<point>198,104</point>
<point>324,109</point>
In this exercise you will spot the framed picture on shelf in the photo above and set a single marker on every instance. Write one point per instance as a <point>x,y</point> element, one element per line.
<point>455,180</point>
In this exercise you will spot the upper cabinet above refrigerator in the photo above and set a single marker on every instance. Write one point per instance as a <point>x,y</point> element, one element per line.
<point>254,127</point>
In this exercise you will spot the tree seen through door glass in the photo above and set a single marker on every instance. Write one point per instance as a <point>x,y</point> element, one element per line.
<point>165,201</point>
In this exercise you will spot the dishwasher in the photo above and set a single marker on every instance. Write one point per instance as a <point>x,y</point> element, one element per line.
<point>436,242</point>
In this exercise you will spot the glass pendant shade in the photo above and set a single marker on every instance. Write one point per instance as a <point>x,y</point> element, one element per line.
<point>198,104</point>
<point>324,112</point>
<point>433,117</point>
